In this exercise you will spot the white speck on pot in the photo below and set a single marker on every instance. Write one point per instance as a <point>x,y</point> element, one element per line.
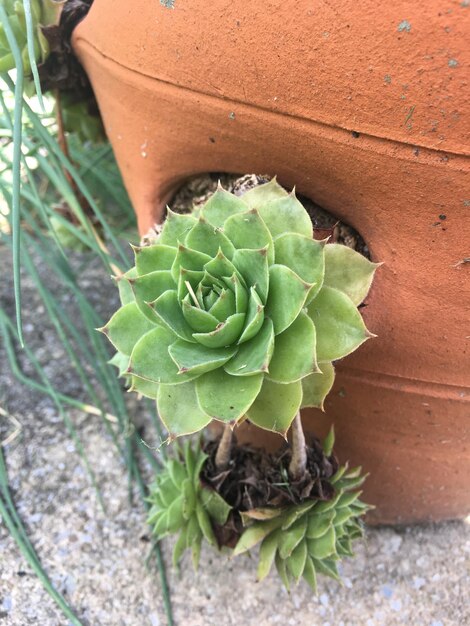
<point>452,63</point>
<point>231,115</point>
<point>404,26</point>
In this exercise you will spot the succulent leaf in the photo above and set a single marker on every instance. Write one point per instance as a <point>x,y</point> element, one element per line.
<point>318,385</point>
<point>227,398</point>
<point>179,409</point>
<point>220,206</point>
<point>126,327</point>
<point>268,192</point>
<point>145,388</point>
<point>267,554</point>
<point>340,327</point>
<point>304,256</point>
<point>248,230</point>
<point>126,293</point>
<point>254,317</point>
<point>254,356</point>
<point>149,287</point>
<point>170,314</point>
<point>296,561</point>
<point>215,505</point>
<point>348,271</point>
<point>209,240</point>
<point>253,266</point>
<point>276,406</point>
<point>154,258</point>
<point>242,300</point>
<point>294,352</point>
<point>176,228</point>
<point>199,361</point>
<point>287,296</point>
<point>286,215</point>
<point>151,360</point>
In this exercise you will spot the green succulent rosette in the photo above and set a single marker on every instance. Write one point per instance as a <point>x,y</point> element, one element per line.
<point>181,504</point>
<point>310,538</point>
<point>237,311</point>
<point>43,12</point>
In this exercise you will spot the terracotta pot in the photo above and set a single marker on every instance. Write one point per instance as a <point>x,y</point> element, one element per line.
<point>364,107</point>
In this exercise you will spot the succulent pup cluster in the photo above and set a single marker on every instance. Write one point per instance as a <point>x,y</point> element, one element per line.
<point>301,540</point>
<point>310,538</point>
<point>236,312</point>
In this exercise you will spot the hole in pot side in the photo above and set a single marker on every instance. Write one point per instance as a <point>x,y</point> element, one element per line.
<point>198,189</point>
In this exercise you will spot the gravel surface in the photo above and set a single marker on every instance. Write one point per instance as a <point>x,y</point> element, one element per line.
<point>413,575</point>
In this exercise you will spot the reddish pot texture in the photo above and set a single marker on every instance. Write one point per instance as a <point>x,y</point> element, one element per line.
<point>364,107</point>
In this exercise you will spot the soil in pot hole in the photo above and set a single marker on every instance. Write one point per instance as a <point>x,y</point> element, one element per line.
<point>197,190</point>
<point>255,479</point>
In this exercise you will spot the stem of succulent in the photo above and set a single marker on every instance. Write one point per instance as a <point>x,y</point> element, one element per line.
<point>298,464</point>
<point>222,457</point>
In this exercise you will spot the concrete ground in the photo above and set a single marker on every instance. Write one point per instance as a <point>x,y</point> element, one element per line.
<point>417,575</point>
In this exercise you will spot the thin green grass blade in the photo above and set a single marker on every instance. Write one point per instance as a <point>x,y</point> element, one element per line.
<point>31,55</point>
<point>16,165</point>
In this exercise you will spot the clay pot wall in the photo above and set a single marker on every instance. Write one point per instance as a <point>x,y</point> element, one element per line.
<point>365,108</point>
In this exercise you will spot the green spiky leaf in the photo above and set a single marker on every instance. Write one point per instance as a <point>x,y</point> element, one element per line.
<point>317,386</point>
<point>225,397</point>
<point>340,328</point>
<point>276,406</point>
<point>348,271</point>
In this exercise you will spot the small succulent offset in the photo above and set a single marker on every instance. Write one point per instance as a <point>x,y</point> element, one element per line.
<point>181,504</point>
<point>308,538</point>
<point>43,13</point>
<point>302,540</point>
<point>237,312</point>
